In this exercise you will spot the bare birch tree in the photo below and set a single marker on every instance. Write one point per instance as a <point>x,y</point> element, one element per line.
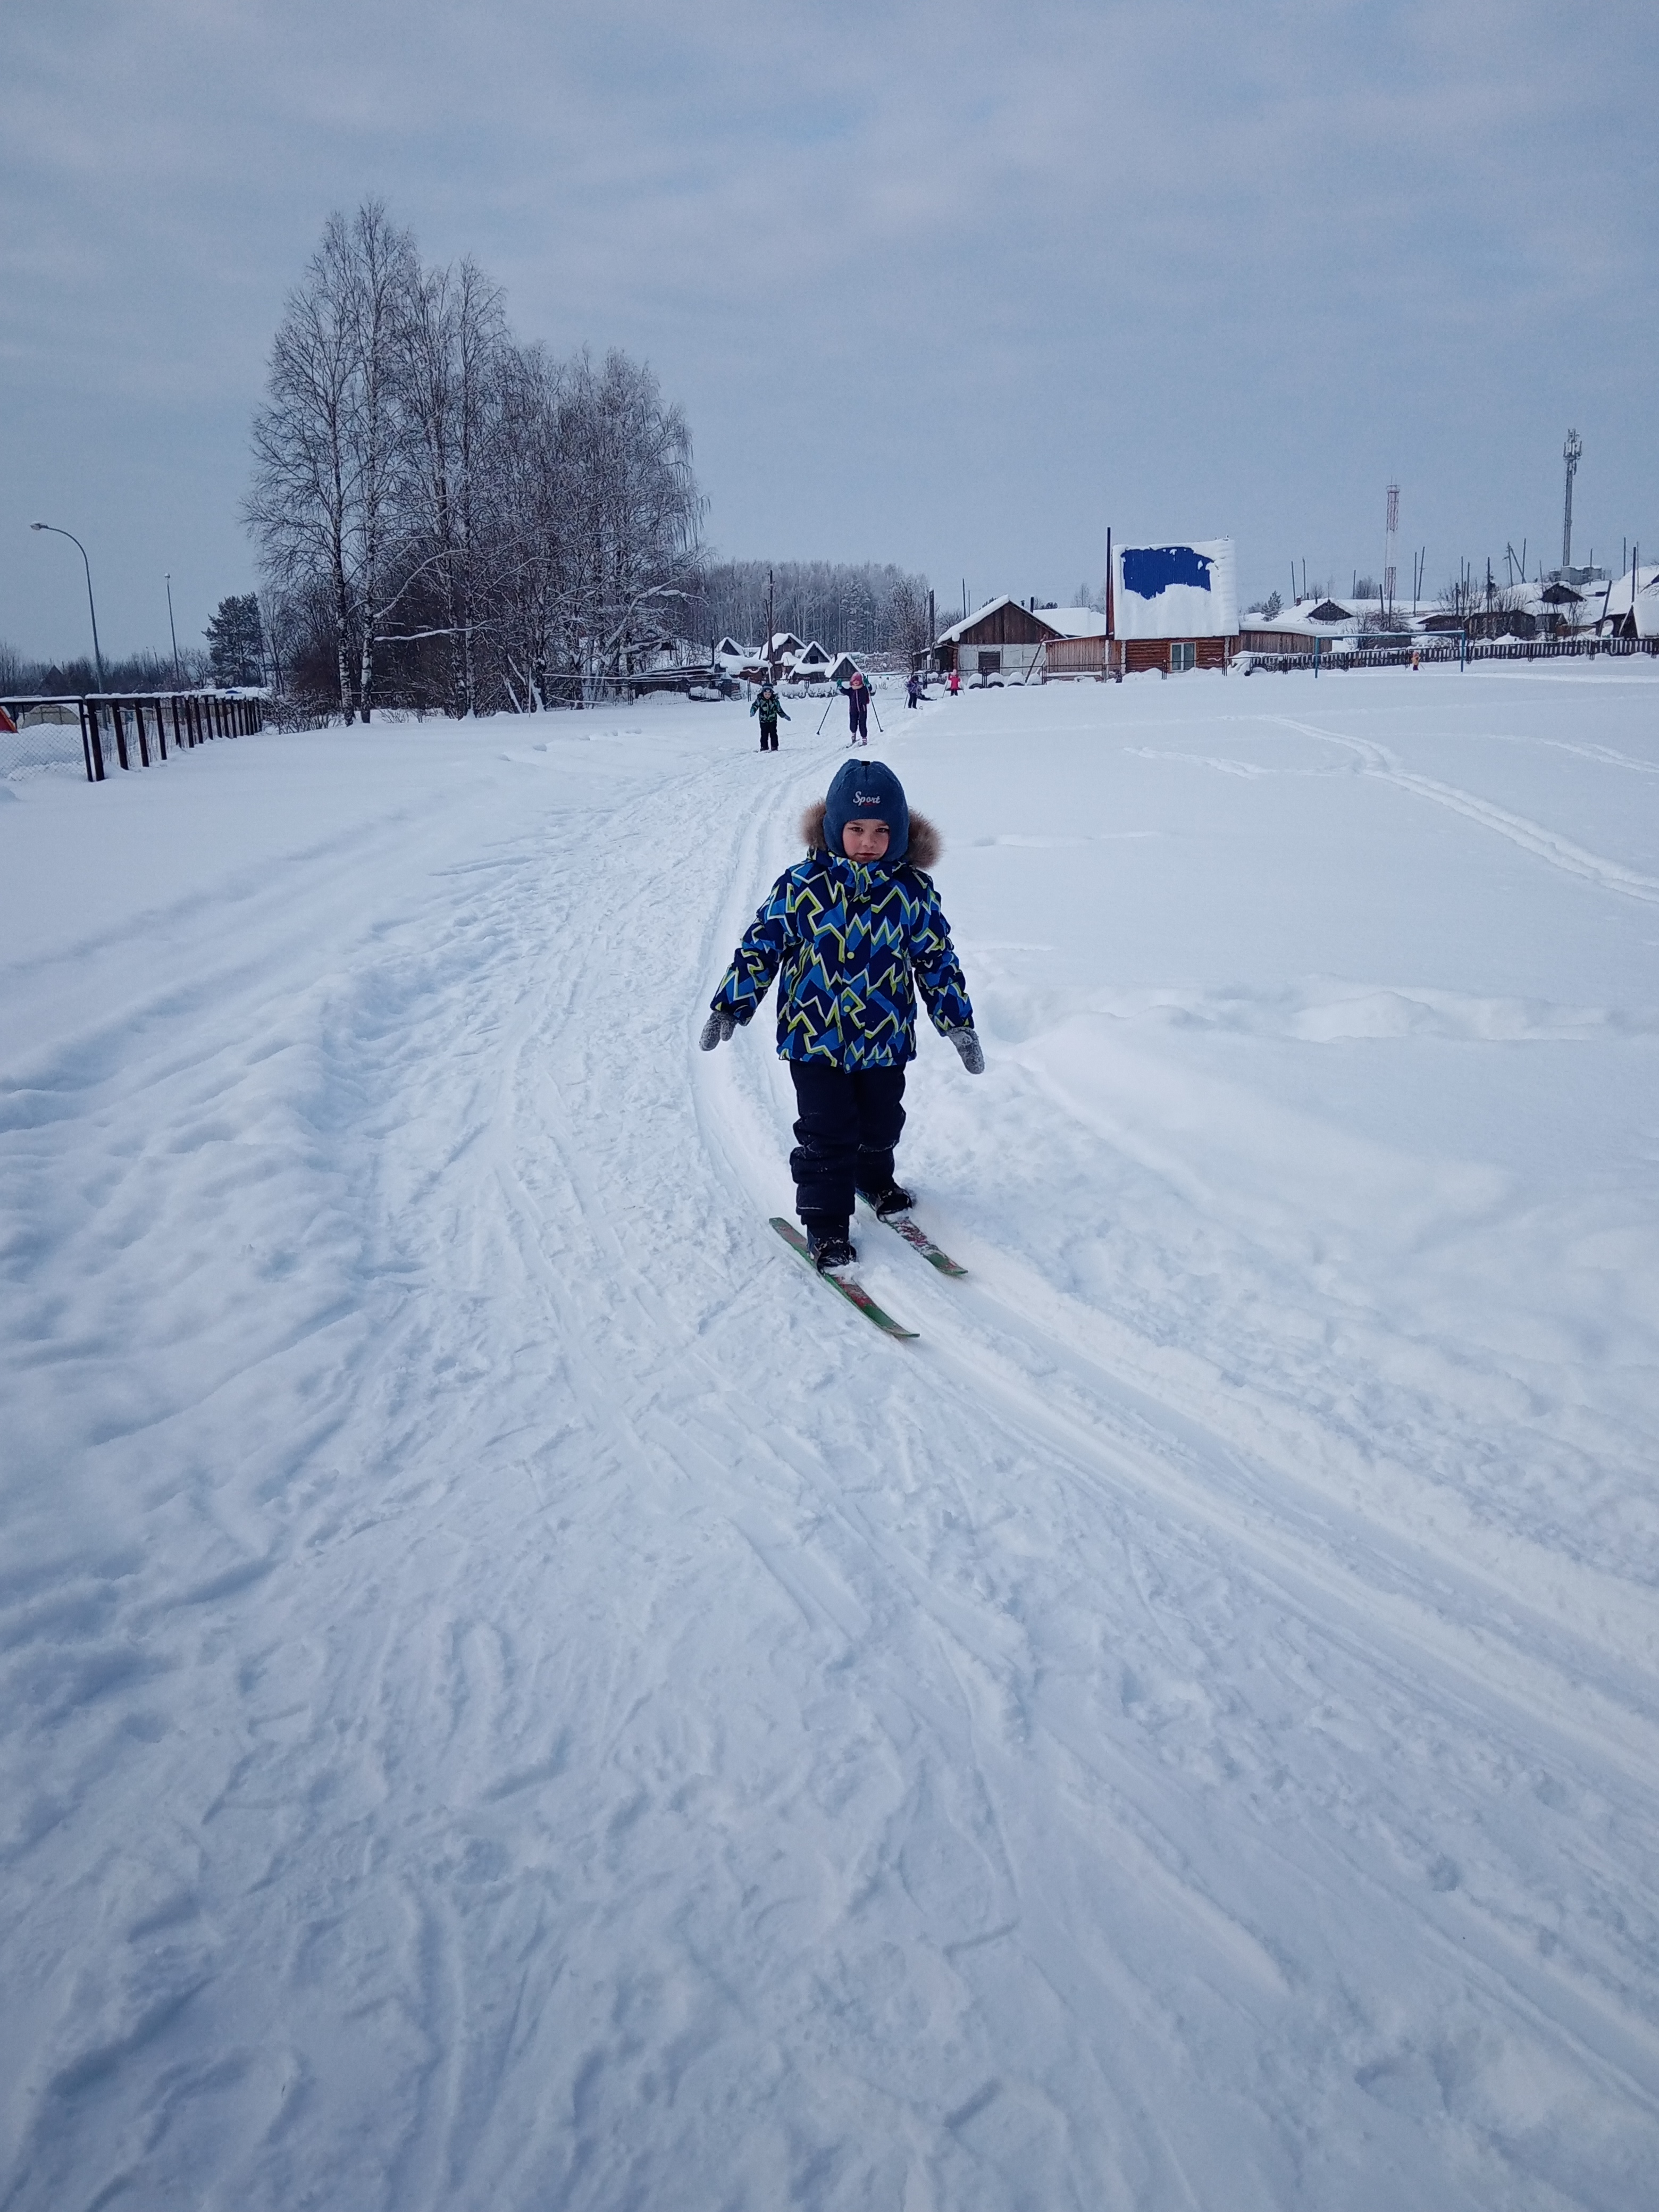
<point>328,453</point>
<point>636,511</point>
<point>299,506</point>
<point>384,275</point>
<point>483,524</point>
<point>528,587</point>
<point>451,341</point>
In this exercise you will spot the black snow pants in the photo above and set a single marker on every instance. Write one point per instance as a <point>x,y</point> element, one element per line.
<point>849,1124</point>
<point>768,735</point>
<point>858,716</point>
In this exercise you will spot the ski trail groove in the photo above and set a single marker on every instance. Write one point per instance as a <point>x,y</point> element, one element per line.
<point>1544,844</point>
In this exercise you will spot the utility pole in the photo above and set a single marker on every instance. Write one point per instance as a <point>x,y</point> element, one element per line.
<point>771,632</point>
<point>1570,453</point>
<point>173,632</point>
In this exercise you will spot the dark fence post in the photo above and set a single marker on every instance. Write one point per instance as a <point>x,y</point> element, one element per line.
<point>119,719</point>
<point>91,743</point>
<point>143,742</point>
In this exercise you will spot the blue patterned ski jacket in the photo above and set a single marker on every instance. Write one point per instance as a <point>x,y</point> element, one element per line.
<point>845,938</point>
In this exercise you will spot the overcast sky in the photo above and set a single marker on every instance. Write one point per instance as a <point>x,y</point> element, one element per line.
<point>949,286</point>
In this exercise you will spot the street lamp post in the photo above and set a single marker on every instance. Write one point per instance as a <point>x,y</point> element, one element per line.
<point>97,650</point>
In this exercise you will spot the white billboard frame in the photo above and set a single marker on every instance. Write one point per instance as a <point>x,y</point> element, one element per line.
<point>1185,588</point>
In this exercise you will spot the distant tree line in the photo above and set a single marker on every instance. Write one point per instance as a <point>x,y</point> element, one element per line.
<point>233,654</point>
<point>24,678</point>
<point>447,517</point>
<point>865,607</point>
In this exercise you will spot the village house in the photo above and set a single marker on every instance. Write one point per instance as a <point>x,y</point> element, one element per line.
<point>1293,629</point>
<point>1630,608</point>
<point>1003,640</point>
<point>795,662</point>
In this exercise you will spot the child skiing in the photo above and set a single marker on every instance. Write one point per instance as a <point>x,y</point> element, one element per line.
<point>849,927</point>
<point>767,704</point>
<point>858,707</point>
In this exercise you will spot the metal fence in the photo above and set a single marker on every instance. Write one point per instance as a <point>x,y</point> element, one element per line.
<point>1438,647</point>
<point>1559,648</point>
<point>98,731</point>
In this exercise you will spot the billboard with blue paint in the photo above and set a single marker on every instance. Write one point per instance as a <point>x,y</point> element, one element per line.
<point>1175,590</point>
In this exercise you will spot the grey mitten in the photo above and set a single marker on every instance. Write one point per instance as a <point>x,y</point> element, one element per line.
<point>973,1052</point>
<point>719,1026</point>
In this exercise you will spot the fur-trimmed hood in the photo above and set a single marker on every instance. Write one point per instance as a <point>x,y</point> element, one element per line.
<point>925,848</point>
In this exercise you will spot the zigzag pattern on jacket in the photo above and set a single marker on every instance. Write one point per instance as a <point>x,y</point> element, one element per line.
<point>847,939</point>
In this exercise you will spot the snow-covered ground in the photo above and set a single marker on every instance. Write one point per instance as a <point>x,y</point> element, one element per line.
<point>514,1696</point>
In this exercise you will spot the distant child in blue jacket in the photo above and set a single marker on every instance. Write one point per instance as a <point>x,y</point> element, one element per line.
<point>847,931</point>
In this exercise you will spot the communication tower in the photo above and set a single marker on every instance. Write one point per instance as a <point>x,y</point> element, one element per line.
<point>1390,532</point>
<point>1570,453</point>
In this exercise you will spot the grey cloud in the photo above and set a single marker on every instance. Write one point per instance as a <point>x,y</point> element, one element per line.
<point>953,285</point>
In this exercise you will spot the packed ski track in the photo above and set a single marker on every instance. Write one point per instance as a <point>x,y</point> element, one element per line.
<point>515,1696</point>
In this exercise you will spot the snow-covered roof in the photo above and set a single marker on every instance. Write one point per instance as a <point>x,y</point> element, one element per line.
<point>1640,588</point>
<point>1064,622</point>
<point>1314,618</point>
<point>949,637</point>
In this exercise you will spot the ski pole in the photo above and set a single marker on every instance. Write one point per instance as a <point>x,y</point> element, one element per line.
<point>876,710</point>
<point>825,716</point>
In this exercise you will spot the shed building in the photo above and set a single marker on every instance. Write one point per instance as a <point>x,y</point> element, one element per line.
<point>1005,641</point>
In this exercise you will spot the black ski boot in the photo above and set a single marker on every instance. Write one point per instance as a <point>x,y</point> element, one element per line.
<point>895,1199</point>
<point>829,1245</point>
